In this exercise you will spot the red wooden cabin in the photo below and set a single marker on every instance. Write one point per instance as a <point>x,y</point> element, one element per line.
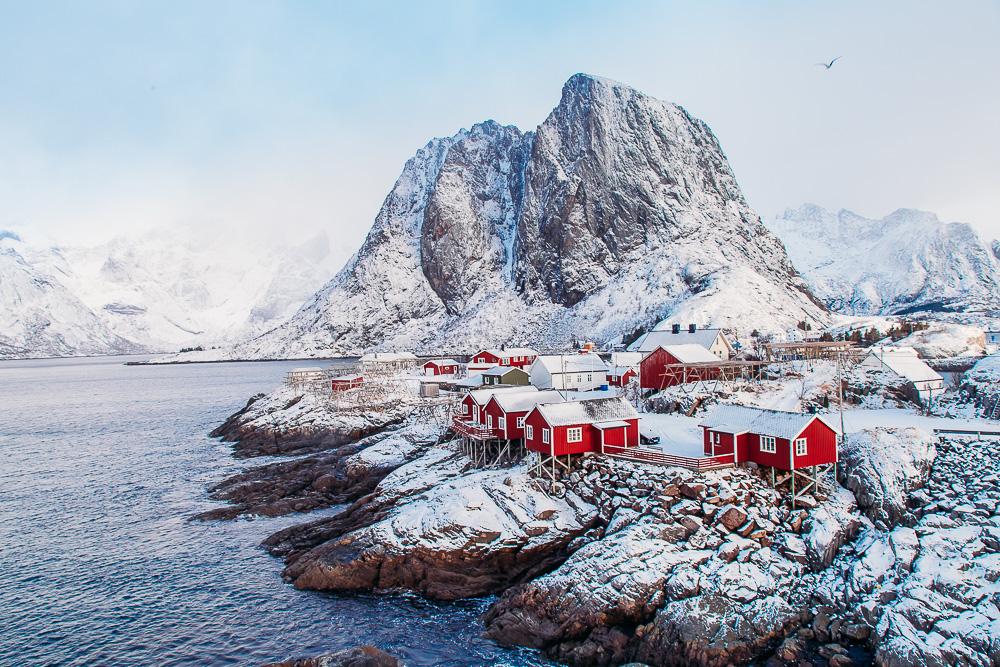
<point>474,401</point>
<point>620,376</point>
<point>661,369</point>
<point>440,367</point>
<point>506,411</point>
<point>345,382</point>
<point>579,427</point>
<point>782,440</point>
<point>518,357</point>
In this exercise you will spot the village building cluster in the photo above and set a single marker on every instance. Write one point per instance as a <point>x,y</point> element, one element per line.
<point>516,402</point>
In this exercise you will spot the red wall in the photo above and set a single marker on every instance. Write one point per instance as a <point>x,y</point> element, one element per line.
<point>821,442</point>
<point>493,408</point>
<point>654,364</point>
<point>467,406</point>
<point>489,358</point>
<point>725,445</point>
<point>441,370</point>
<point>590,441</point>
<point>623,380</point>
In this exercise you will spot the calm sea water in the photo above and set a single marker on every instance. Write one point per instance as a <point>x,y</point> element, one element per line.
<point>101,464</point>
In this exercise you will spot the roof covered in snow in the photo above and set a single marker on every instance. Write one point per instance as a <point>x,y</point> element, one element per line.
<point>588,411</point>
<point>690,353</point>
<point>744,419</point>
<point>524,401</point>
<point>905,362</point>
<point>441,362</point>
<point>653,339</point>
<point>500,371</point>
<point>572,363</point>
<point>306,369</point>
<point>626,358</point>
<point>482,396</point>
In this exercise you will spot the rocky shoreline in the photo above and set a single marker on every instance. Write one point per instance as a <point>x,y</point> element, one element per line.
<point>657,565</point>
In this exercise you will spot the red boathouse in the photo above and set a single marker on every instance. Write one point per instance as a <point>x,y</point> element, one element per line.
<point>345,382</point>
<point>671,365</point>
<point>440,367</point>
<point>517,357</point>
<point>581,427</point>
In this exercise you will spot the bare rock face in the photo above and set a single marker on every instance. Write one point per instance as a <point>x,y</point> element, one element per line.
<point>619,211</point>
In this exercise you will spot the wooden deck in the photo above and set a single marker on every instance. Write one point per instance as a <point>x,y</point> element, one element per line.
<point>655,456</point>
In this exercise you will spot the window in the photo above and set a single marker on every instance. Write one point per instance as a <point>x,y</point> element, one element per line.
<point>574,434</point>
<point>590,377</point>
<point>529,432</point>
<point>716,438</point>
<point>489,421</point>
<point>475,413</point>
<point>579,379</point>
<point>546,436</point>
<point>767,444</point>
<point>466,408</point>
<point>800,447</point>
<point>520,422</point>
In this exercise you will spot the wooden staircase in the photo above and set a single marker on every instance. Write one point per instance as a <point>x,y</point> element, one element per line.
<point>991,409</point>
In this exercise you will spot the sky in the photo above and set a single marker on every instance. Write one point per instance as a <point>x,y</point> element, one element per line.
<point>283,119</point>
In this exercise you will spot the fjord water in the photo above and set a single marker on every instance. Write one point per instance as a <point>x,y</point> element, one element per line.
<point>101,466</point>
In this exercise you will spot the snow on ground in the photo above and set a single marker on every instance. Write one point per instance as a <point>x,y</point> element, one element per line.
<point>678,434</point>
<point>944,340</point>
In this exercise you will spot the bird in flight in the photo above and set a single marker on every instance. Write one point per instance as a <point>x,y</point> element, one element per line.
<point>829,64</point>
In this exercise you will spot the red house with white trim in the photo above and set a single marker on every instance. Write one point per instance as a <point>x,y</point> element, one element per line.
<point>345,382</point>
<point>506,412</point>
<point>473,402</point>
<point>518,357</point>
<point>653,372</point>
<point>440,367</point>
<point>619,376</point>
<point>580,427</point>
<point>773,438</point>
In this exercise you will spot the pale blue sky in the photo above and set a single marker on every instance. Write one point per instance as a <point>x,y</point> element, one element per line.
<point>294,117</point>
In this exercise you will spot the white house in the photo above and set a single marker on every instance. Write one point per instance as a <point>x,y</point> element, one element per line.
<point>582,371</point>
<point>924,381</point>
<point>992,341</point>
<point>712,340</point>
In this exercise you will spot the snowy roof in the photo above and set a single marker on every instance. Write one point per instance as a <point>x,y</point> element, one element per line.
<point>626,358</point>
<point>905,362</point>
<point>500,371</point>
<point>441,362</point>
<point>352,376</point>
<point>471,381</point>
<point>510,352</point>
<point>482,396</point>
<point>589,411</point>
<point>524,401</point>
<point>389,356</point>
<point>654,339</point>
<point>572,363</point>
<point>743,419</point>
<point>307,369</point>
<point>619,371</point>
<point>690,353</point>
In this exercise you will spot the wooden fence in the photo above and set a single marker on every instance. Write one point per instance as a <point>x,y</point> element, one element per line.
<point>646,455</point>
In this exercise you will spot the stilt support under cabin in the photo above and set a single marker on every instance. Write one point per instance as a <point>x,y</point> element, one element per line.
<point>487,453</point>
<point>547,470</point>
<point>803,481</point>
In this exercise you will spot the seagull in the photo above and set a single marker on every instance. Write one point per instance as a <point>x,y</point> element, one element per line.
<point>829,64</point>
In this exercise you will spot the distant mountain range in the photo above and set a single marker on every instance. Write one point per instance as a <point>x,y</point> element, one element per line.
<point>158,292</point>
<point>619,212</point>
<point>908,262</point>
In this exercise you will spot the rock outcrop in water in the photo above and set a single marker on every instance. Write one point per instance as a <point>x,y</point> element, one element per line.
<point>362,656</point>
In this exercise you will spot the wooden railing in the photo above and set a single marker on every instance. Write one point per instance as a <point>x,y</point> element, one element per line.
<point>470,430</point>
<point>646,455</point>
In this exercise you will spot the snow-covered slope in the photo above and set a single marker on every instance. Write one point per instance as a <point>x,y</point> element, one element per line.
<point>618,211</point>
<point>907,262</point>
<point>157,291</point>
<point>39,317</point>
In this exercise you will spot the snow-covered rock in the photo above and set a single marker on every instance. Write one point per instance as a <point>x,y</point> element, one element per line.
<point>907,262</point>
<point>883,466</point>
<point>618,211</point>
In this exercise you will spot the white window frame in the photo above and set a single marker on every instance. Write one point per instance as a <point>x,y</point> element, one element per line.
<point>466,408</point>
<point>529,432</point>
<point>768,444</point>
<point>520,422</point>
<point>574,434</point>
<point>546,436</point>
<point>489,421</point>
<point>475,413</point>
<point>801,447</point>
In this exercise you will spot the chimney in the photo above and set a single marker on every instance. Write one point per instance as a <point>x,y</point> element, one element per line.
<point>692,328</point>
<point>675,328</point>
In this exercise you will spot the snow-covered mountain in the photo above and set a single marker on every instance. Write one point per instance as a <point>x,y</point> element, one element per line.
<point>618,211</point>
<point>40,317</point>
<point>157,291</point>
<point>905,263</point>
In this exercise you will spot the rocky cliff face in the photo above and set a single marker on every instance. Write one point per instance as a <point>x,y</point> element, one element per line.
<point>619,210</point>
<point>908,262</point>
